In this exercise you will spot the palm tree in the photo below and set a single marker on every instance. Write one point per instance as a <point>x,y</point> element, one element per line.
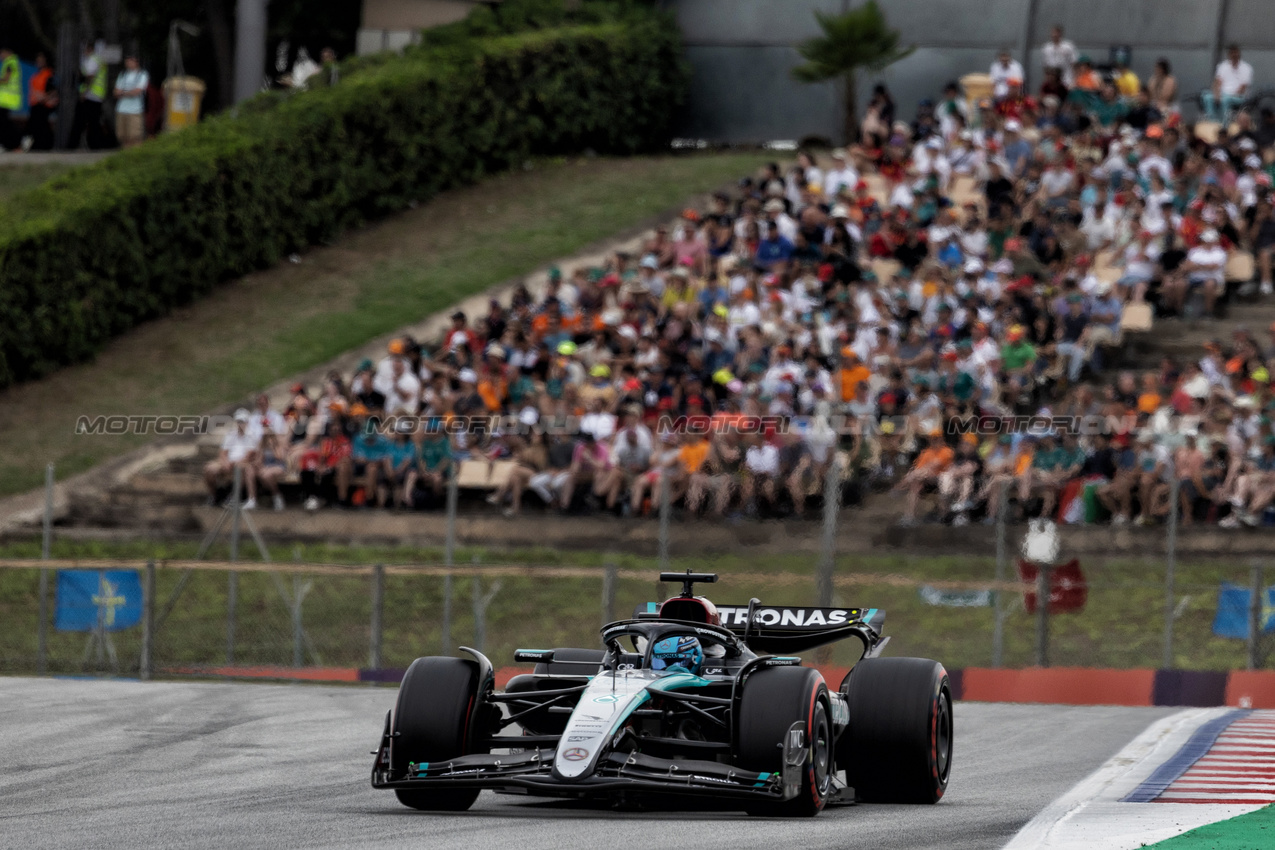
<point>858,39</point>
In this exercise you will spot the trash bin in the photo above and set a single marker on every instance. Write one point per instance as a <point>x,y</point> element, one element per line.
<point>182,96</point>
<point>976,87</point>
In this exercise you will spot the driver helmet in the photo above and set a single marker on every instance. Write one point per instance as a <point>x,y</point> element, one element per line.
<point>678,653</point>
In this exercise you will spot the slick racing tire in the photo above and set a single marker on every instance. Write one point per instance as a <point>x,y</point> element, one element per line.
<point>773,701</point>
<point>556,669</point>
<point>432,721</point>
<point>898,747</point>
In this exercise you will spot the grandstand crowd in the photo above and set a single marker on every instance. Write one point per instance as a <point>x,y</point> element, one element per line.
<point>885,313</point>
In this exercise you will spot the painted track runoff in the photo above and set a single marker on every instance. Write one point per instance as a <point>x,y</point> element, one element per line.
<point>117,763</point>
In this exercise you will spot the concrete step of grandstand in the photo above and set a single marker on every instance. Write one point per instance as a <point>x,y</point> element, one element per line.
<point>193,464</point>
<point>1183,340</point>
<point>139,513</point>
<point>169,485</point>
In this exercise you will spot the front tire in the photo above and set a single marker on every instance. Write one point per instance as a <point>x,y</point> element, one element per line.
<point>433,721</point>
<point>898,747</point>
<point>774,700</point>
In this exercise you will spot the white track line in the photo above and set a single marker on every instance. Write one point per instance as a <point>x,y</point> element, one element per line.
<point>1090,816</point>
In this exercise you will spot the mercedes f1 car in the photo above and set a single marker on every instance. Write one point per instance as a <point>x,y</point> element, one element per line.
<point>685,698</point>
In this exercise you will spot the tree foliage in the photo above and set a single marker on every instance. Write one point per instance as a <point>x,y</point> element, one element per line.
<point>92,253</point>
<point>859,39</point>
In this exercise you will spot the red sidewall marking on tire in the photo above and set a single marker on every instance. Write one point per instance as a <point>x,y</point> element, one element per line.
<point>934,741</point>
<point>810,735</point>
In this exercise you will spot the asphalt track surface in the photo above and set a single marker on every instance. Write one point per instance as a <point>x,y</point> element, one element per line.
<point>110,763</point>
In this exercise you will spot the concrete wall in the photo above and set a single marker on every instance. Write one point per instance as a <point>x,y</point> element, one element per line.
<point>394,24</point>
<point>741,51</point>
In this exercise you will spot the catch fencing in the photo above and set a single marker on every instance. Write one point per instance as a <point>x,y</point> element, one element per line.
<point>223,618</point>
<point>233,603</point>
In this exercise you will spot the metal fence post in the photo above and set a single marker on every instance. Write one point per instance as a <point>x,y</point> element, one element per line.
<point>480,626</point>
<point>232,578</point>
<point>1170,568</point>
<point>447,615</point>
<point>1255,617</point>
<point>1042,615</point>
<point>608,593</point>
<point>665,510</point>
<point>47,542</point>
<point>481,602</point>
<point>1002,559</point>
<point>378,611</point>
<point>46,552</point>
<point>148,623</point>
<point>828,554</point>
<point>298,651</point>
<point>453,497</point>
<point>42,649</point>
<point>449,557</point>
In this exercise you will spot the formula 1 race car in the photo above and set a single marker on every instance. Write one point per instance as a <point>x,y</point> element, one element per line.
<point>683,699</point>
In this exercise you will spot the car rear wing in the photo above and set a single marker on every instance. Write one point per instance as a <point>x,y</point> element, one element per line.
<point>788,629</point>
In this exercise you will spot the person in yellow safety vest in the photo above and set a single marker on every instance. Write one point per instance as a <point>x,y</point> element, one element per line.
<point>10,97</point>
<point>88,112</point>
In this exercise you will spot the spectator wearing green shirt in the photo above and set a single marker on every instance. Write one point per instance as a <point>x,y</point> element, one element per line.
<point>1109,108</point>
<point>1039,478</point>
<point>1018,357</point>
<point>370,452</point>
<point>399,457</point>
<point>433,463</point>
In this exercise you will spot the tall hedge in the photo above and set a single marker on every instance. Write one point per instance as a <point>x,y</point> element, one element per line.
<point>92,253</point>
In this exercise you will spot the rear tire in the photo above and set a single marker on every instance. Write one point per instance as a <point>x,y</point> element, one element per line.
<point>898,747</point>
<point>774,700</point>
<point>432,722</point>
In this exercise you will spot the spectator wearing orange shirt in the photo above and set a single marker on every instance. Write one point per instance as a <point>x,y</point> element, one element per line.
<point>934,459</point>
<point>851,374</point>
<point>493,388</point>
<point>43,99</point>
<point>1087,78</point>
<point>690,460</point>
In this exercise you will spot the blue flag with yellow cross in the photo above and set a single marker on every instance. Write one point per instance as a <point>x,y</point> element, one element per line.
<point>87,599</point>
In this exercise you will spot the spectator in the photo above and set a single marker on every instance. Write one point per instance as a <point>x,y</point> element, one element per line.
<point>239,449</point>
<point>1059,55</point>
<point>1204,269</point>
<point>1086,79</point>
<point>1072,336</point>
<point>10,97</point>
<point>43,99</point>
<point>892,302</point>
<point>761,473</point>
<point>1124,79</point>
<point>88,113</point>
<point>631,454</point>
<point>397,465</point>
<point>328,63</point>
<point>957,483</point>
<point>321,469</point>
<point>1004,71</point>
<point>1163,88</point>
<point>1231,82</point>
<point>272,464</point>
<point>367,466</point>
<point>841,176</point>
<point>877,121</point>
<point>934,458</point>
<point>130,102</point>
